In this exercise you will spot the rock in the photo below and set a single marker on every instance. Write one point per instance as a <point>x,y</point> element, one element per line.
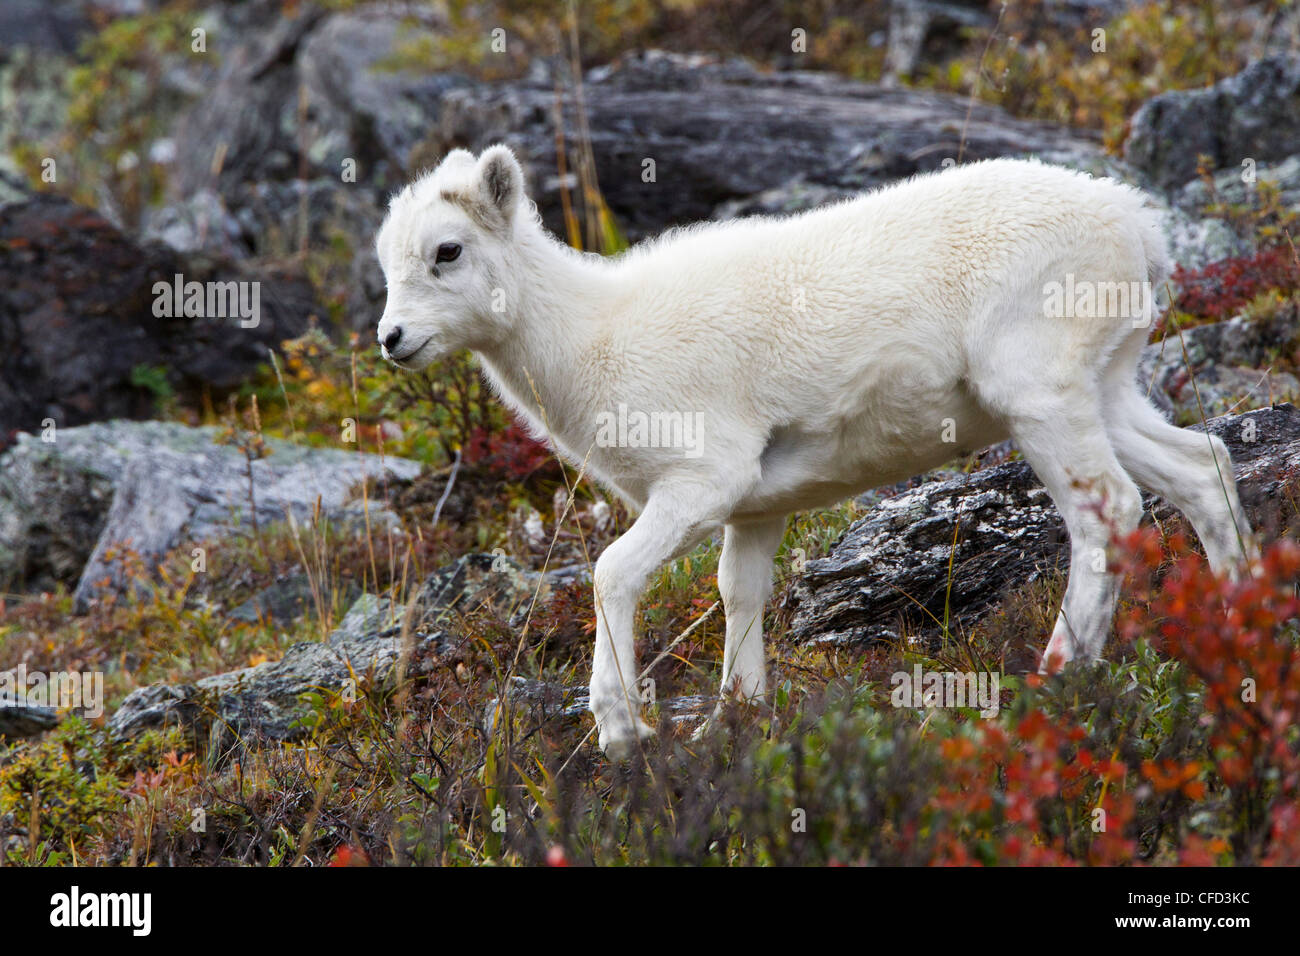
<point>79,340</point>
<point>473,581</point>
<point>1232,365</point>
<point>287,600</point>
<point>19,720</point>
<point>245,128</point>
<point>46,25</point>
<point>719,132</point>
<point>52,510</point>
<point>1253,115</point>
<point>266,701</point>
<point>1196,241</point>
<point>64,506</point>
<point>897,556</point>
<point>306,93</point>
<point>362,107</point>
<point>546,701</point>
<point>315,127</point>
<point>1235,191</point>
<point>934,31</point>
<point>914,24</point>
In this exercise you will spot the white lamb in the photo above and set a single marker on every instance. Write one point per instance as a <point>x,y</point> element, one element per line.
<point>817,355</point>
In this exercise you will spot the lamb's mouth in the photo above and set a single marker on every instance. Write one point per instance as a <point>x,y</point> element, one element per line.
<point>414,359</point>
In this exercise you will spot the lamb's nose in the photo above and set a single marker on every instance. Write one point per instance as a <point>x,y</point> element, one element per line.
<point>392,338</point>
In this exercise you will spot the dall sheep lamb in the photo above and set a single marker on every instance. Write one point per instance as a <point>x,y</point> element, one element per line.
<point>728,374</point>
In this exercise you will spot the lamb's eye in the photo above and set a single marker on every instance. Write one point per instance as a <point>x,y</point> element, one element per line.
<point>447,252</point>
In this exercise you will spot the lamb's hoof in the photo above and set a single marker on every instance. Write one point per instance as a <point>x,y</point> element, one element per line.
<point>624,743</point>
<point>710,724</point>
<point>1055,657</point>
<point>714,721</point>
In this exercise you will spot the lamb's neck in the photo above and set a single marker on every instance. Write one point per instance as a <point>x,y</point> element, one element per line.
<point>561,300</point>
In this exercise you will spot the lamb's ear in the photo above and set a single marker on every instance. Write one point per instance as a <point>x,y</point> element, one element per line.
<point>457,157</point>
<point>501,180</point>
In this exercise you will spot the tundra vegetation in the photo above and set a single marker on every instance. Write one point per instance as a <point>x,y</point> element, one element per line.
<point>1179,747</point>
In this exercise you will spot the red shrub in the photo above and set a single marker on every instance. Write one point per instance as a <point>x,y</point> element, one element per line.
<point>510,452</point>
<point>1222,289</point>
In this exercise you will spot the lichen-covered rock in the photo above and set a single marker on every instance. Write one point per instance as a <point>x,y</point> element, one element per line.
<point>20,719</point>
<point>1234,187</point>
<point>890,570</point>
<point>1225,366</point>
<point>1254,115</point>
<point>267,700</point>
<point>288,599</point>
<point>78,323</point>
<point>544,701</point>
<point>151,486</point>
<point>722,131</point>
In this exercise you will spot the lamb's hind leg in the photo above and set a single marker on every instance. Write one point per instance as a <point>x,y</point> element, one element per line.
<point>673,521</point>
<point>745,582</point>
<point>1062,436</point>
<point>1190,470</point>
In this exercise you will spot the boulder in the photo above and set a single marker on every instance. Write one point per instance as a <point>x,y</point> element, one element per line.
<point>722,131</point>
<point>1236,191</point>
<point>889,572</point>
<point>68,507</point>
<point>267,701</point>
<point>1227,366</point>
<point>79,337</point>
<point>311,90</point>
<point>19,719</point>
<point>1254,115</point>
<point>542,702</point>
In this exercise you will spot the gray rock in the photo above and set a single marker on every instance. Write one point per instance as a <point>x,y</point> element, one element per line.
<point>1196,241</point>
<point>897,556</point>
<point>362,108</point>
<point>42,25</point>
<point>152,486</point>
<point>546,701</point>
<point>19,720</point>
<point>1236,191</point>
<point>78,323</point>
<point>266,701</point>
<point>287,600</point>
<point>246,127</point>
<point>1253,115</point>
<point>298,97</point>
<point>720,132</point>
<point>912,23</point>
<point>52,510</point>
<point>1229,363</point>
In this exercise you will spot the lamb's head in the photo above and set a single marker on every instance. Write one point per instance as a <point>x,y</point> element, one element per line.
<point>447,249</point>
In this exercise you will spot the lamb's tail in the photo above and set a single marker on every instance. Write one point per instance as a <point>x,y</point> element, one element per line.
<point>1159,263</point>
<point>1155,248</point>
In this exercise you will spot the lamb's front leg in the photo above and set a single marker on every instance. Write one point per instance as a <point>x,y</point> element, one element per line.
<point>670,525</point>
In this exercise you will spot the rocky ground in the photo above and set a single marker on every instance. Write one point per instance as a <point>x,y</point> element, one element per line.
<point>271,161</point>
